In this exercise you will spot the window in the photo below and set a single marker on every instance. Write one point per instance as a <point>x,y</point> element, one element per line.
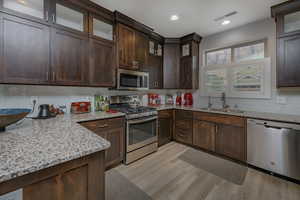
<point>239,71</point>
<point>219,57</point>
<point>250,52</point>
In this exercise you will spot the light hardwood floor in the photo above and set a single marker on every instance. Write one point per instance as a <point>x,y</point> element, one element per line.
<point>164,176</point>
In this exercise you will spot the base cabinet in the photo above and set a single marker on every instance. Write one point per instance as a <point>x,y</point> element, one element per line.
<point>183,127</point>
<point>165,129</point>
<point>204,135</point>
<point>113,131</point>
<point>231,141</point>
<point>81,179</point>
<point>222,134</point>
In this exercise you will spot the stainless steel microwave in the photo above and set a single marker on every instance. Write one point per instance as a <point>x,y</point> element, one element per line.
<point>132,80</point>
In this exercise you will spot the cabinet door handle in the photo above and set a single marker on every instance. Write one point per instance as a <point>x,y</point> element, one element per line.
<point>47,16</point>
<point>53,76</point>
<point>53,18</point>
<point>103,126</point>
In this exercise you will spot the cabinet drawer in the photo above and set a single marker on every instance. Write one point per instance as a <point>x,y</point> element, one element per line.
<point>185,124</point>
<point>184,136</point>
<point>165,114</point>
<point>220,119</point>
<point>182,114</point>
<point>99,125</point>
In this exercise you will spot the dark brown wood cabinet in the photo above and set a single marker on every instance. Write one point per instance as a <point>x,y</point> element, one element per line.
<point>155,72</point>
<point>287,16</point>
<point>102,63</point>
<point>183,127</point>
<point>165,130</point>
<point>69,56</point>
<point>204,135</point>
<point>171,63</point>
<point>126,47</point>
<point>24,51</point>
<point>181,62</point>
<point>288,61</point>
<point>80,179</point>
<point>223,134</point>
<point>189,62</point>
<point>231,141</point>
<point>141,49</point>
<point>113,131</point>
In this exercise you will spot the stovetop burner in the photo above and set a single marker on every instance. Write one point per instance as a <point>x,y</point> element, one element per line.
<point>132,112</point>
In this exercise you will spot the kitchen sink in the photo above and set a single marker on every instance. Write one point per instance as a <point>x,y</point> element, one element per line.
<point>224,110</point>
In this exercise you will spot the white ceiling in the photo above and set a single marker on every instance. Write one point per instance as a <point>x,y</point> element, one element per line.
<point>195,15</point>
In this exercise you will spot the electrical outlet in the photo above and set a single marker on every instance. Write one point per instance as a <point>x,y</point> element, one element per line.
<point>281,100</point>
<point>16,195</point>
<point>33,99</point>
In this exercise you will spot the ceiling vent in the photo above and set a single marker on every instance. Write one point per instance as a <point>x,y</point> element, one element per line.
<point>225,16</point>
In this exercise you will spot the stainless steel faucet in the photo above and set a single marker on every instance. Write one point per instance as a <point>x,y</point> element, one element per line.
<point>223,99</point>
<point>209,102</point>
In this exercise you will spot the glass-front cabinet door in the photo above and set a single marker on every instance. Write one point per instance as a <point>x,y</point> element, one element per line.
<point>70,16</point>
<point>34,8</point>
<point>292,22</point>
<point>101,28</point>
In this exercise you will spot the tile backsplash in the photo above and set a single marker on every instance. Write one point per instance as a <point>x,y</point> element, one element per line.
<point>15,96</point>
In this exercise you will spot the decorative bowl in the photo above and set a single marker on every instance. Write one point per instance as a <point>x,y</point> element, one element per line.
<point>11,116</point>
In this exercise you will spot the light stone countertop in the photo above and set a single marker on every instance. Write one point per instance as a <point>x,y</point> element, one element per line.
<point>34,145</point>
<point>247,114</point>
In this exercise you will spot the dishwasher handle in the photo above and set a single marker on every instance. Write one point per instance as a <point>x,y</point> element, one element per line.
<point>275,125</point>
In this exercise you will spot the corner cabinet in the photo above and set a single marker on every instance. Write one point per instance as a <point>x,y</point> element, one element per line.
<point>287,16</point>
<point>181,62</point>
<point>112,130</point>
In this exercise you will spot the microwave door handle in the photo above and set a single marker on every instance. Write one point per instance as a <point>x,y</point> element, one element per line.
<point>142,120</point>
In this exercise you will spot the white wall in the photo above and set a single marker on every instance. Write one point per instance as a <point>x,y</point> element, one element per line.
<point>251,32</point>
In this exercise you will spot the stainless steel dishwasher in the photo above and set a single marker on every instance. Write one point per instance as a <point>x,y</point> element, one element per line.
<point>274,146</point>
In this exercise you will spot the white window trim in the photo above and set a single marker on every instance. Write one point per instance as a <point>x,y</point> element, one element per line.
<point>266,85</point>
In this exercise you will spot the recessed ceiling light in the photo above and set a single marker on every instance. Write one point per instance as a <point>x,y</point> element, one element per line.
<point>226,22</point>
<point>174,17</point>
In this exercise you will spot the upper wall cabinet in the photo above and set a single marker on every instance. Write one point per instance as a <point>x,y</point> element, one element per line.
<point>287,16</point>
<point>24,51</point>
<point>126,47</point>
<point>181,62</point>
<point>132,43</point>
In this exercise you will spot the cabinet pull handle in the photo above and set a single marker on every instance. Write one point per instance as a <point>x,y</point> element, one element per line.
<point>47,16</point>
<point>53,18</point>
<point>103,126</point>
<point>53,76</point>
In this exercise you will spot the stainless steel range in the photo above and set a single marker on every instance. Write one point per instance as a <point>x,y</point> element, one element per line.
<point>142,127</point>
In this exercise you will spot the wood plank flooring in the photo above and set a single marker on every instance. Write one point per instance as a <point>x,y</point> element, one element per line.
<point>163,176</point>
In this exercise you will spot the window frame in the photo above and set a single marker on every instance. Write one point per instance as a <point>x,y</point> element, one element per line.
<point>266,87</point>
<point>232,47</point>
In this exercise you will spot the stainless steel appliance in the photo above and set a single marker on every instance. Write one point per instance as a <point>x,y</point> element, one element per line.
<point>132,80</point>
<point>141,127</point>
<point>274,146</point>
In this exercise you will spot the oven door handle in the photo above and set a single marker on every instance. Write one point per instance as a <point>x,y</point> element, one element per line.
<point>142,120</point>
